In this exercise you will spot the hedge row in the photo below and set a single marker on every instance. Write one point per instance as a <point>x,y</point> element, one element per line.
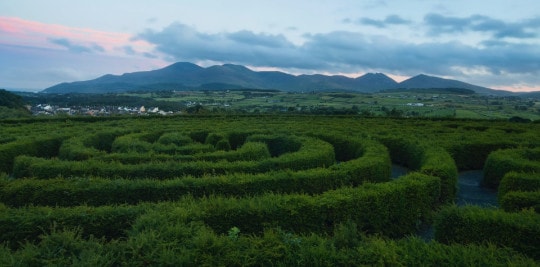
<point>518,181</point>
<point>199,246</point>
<point>312,154</point>
<point>373,166</point>
<point>429,160</point>
<point>249,151</point>
<point>503,161</point>
<point>472,155</point>
<point>473,224</point>
<point>39,147</point>
<point>374,208</point>
<point>27,224</point>
<point>520,200</point>
<point>87,146</point>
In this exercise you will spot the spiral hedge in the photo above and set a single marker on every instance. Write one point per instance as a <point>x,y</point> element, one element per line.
<point>146,190</point>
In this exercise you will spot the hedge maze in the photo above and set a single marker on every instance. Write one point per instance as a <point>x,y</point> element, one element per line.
<point>264,190</point>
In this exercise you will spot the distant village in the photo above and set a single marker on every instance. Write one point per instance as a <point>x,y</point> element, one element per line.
<point>46,109</point>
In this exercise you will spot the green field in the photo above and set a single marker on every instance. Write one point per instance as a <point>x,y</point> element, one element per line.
<point>284,189</point>
<point>420,103</point>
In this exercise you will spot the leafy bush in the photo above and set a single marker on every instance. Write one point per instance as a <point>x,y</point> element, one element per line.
<point>39,147</point>
<point>477,225</point>
<point>515,181</point>
<point>503,161</point>
<point>515,201</point>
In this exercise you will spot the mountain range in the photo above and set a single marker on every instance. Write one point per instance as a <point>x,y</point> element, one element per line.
<point>189,76</point>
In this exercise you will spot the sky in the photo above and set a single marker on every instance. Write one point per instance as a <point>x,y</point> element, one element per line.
<point>491,43</point>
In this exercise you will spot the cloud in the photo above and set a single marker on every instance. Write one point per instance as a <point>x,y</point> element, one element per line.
<point>76,48</point>
<point>439,24</point>
<point>182,42</point>
<point>348,52</point>
<point>389,20</point>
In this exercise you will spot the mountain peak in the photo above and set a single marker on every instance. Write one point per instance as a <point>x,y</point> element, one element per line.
<point>183,66</point>
<point>189,76</point>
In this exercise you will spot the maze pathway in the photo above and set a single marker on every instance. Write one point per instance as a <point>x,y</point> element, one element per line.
<point>470,191</point>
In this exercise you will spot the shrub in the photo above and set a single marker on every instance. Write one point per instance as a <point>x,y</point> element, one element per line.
<point>373,207</point>
<point>174,138</point>
<point>477,225</point>
<point>430,160</point>
<point>39,147</point>
<point>27,224</point>
<point>501,162</point>
<point>514,181</point>
<point>515,201</point>
<point>277,144</point>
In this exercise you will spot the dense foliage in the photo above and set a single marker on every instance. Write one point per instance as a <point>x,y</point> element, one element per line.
<point>258,190</point>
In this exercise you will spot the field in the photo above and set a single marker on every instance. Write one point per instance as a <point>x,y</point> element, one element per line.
<point>419,103</point>
<point>262,189</point>
<point>406,103</point>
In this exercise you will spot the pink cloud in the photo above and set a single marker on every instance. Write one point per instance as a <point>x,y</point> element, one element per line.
<point>17,31</point>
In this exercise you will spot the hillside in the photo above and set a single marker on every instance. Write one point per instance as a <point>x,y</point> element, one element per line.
<point>425,81</point>
<point>189,76</point>
<point>11,105</point>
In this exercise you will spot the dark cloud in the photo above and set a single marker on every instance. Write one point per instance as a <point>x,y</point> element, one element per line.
<point>389,20</point>
<point>440,24</point>
<point>180,41</point>
<point>343,51</point>
<point>75,47</point>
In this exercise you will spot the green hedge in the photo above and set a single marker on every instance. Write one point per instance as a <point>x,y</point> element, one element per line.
<point>196,245</point>
<point>27,224</point>
<point>374,208</point>
<point>372,166</point>
<point>472,155</point>
<point>427,159</point>
<point>39,147</point>
<point>501,162</point>
<point>313,153</point>
<point>437,162</point>
<point>519,200</point>
<point>473,224</point>
<point>89,145</point>
<point>174,138</point>
<point>518,181</point>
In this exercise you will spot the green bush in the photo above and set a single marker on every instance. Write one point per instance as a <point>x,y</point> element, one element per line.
<point>196,245</point>
<point>277,144</point>
<point>503,161</point>
<point>514,201</point>
<point>477,225</point>
<point>103,140</point>
<point>213,139</point>
<point>427,159</point>
<point>472,155</point>
<point>515,181</point>
<point>437,162</point>
<point>27,224</point>
<point>373,166</point>
<point>312,154</point>
<point>131,143</point>
<point>374,208</point>
<point>39,147</point>
<point>174,138</point>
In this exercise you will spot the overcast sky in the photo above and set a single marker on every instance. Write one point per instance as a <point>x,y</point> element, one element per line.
<point>492,43</point>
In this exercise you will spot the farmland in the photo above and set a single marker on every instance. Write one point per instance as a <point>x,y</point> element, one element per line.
<point>256,189</point>
<point>424,103</point>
